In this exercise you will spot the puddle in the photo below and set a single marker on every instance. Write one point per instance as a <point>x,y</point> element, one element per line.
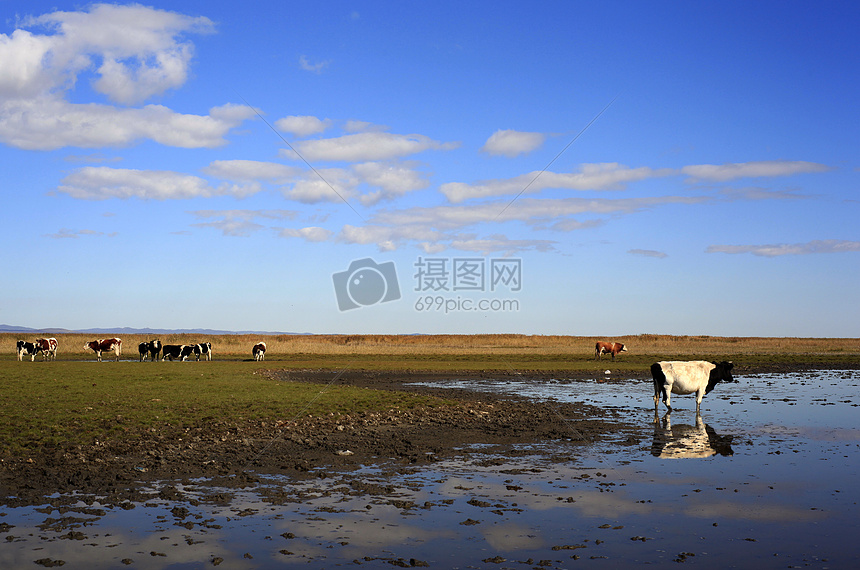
<point>765,477</point>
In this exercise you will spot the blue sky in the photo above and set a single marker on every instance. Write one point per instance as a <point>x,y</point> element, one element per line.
<point>638,167</point>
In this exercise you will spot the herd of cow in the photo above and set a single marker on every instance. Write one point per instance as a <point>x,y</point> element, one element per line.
<point>670,377</point>
<point>153,349</point>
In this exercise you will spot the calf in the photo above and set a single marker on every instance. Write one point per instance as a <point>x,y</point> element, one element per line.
<point>151,349</point>
<point>697,376</point>
<point>171,351</point>
<point>105,345</point>
<point>203,349</point>
<point>27,349</point>
<point>259,351</point>
<point>612,348</point>
<point>48,347</point>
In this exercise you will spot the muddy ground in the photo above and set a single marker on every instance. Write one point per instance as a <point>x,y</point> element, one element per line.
<point>231,454</point>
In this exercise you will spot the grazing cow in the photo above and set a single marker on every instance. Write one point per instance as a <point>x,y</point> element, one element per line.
<point>151,349</point>
<point>105,345</point>
<point>48,347</point>
<point>612,348</point>
<point>683,441</point>
<point>187,350</point>
<point>697,376</point>
<point>27,349</point>
<point>259,351</point>
<point>171,351</point>
<point>203,349</point>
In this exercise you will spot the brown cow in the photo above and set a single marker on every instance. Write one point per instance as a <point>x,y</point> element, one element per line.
<point>106,345</point>
<point>259,351</point>
<point>613,348</point>
<point>48,347</point>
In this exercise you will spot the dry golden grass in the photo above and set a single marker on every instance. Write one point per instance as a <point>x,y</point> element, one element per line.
<point>72,345</point>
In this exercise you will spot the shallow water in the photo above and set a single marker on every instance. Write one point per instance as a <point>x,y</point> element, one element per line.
<point>765,478</point>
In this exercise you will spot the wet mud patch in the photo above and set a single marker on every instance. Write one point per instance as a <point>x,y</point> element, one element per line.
<point>508,492</point>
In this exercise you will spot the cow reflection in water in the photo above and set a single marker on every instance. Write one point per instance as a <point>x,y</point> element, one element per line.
<point>686,441</point>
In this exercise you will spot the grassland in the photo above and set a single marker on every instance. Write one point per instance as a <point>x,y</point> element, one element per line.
<point>75,401</point>
<point>486,351</point>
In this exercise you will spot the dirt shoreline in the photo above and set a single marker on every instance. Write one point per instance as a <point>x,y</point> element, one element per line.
<point>306,446</point>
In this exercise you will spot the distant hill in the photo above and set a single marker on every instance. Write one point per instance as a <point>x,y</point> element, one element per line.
<point>129,330</point>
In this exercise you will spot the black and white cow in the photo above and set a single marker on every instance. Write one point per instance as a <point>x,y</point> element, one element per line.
<point>151,349</point>
<point>187,350</point>
<point>48,347</point>
<point>682,441</point>
<point>687,377</point>
<point>259,351</point>
<point>154,349</point>
<point>171,351</point>
<point>27,349</point>
<point>203,349</point>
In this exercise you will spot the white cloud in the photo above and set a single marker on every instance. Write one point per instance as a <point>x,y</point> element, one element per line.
<point>368,182</point>
<point>238,223</point>
<point>367,146</point>
<point>393,179</point>
<point>531,211</point>
<point>755,193</point>
<point>47,123</point>
<point>102,183</point>
<point>606,176</point>
<point>754,169</point>
<point>251,170</point>
<point>647,253</point>
<point>775,250</point>
<point>302,126</point>
<point>501,244</point>
<point>436,228</point>
<point>314,67</point>
<point>66,233</point>
<point>138,47</point>
<point>324,185</point>
<point>311,233</point>
<point>131,53</point>
<point>511,143</point>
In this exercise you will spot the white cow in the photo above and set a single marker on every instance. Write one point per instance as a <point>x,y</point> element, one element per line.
<point>681,378</point>
<point>683,441</point>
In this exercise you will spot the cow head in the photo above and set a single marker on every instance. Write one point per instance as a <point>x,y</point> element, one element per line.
<point>725,369</point>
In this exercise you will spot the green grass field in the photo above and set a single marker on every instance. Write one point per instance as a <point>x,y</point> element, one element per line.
<point>81,403</point>
<point>76,401</point>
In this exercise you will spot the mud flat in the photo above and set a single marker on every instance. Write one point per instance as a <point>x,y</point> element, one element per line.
<point>524,471</point>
